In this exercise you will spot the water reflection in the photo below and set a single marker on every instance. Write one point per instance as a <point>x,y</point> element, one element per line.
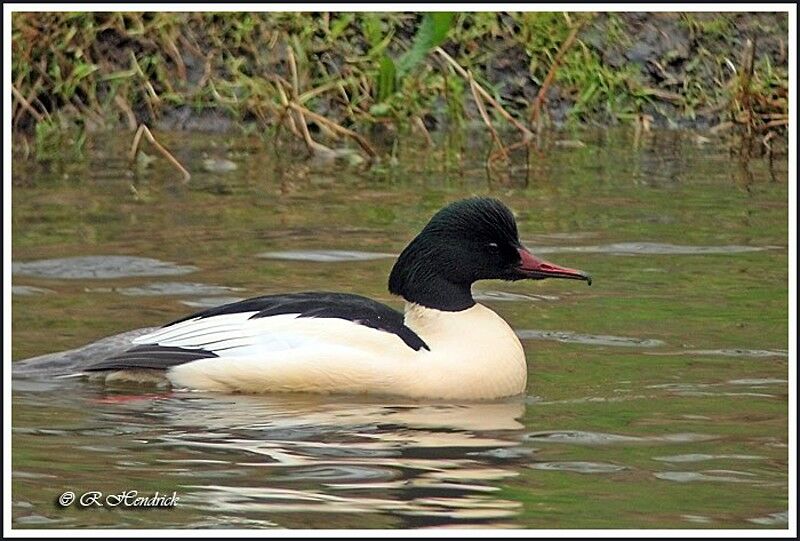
<point>359,456</point>
<point>248,455</point>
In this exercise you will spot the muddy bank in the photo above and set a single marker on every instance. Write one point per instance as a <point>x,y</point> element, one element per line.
<point>677,67</point>
<point>205,71</point>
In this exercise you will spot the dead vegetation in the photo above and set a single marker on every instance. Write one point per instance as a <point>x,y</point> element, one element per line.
<point>325,78</point>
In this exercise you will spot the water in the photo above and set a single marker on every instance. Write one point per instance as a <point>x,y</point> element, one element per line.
<point>657,398</point>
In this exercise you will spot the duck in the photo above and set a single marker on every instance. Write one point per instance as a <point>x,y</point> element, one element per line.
<point>445,345</point>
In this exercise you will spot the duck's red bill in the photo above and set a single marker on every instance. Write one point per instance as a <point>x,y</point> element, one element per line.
<point>537,268</point>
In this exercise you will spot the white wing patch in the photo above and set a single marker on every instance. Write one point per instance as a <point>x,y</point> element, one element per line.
<point>233,334</point>
<point>196,326</point>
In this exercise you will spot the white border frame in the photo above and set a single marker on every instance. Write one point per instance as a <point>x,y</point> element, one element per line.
<point>791,531</point>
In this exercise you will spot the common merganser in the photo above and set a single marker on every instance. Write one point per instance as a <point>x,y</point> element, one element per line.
<point>445,346</point>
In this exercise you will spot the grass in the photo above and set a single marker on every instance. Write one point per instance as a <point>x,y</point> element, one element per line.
<point>74,72</point>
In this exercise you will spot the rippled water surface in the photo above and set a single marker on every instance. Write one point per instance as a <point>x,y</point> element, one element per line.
<point>657,398</point>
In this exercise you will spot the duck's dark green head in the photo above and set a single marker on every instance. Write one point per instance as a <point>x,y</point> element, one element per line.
<point>466,241</point>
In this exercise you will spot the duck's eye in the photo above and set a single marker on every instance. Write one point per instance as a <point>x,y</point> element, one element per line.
<point>492,246</point>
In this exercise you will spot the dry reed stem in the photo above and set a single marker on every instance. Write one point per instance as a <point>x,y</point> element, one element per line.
<point>175,54</point>
<point>420,125</point>
<point>144,131</point>
<point>775,123</point>
<point>286,112</point>
<point>508,149</point>
<point>284,84</point>
<point>748,62</point>
<point>346,101</point>
<point>488,97</point>
<point>336,128</point>
<point>294,93</point>
<point>540,98</point>
<point>32,95</point>
<point>126,109</point>
<point>313,146</point>
<point>295,119</point>
<point>26,104</point>
<point>293,71</point>
<point>486,120</point>
<point>322,89</point>
<point>299,118</point>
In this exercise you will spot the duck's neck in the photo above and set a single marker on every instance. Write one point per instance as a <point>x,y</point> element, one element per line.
<point>439,294</point>
<point>437,325</point>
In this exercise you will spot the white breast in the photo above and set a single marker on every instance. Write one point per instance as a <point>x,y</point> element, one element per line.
<point>474,353</point>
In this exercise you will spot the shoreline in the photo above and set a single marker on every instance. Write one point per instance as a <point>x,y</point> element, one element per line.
<point>323,76</point>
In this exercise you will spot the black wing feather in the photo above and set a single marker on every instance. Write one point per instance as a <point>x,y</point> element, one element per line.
<point>151,356</point>
<point>355,308</point>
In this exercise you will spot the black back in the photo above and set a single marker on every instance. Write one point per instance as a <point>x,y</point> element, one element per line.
<point>355,308</point>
